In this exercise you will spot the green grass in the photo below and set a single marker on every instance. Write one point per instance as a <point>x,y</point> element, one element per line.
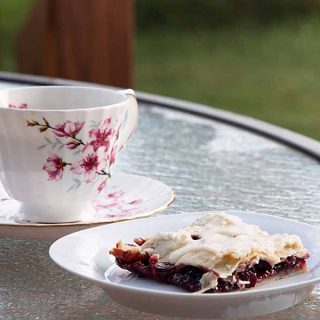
<point>270,73</point>
<point>12,16</point>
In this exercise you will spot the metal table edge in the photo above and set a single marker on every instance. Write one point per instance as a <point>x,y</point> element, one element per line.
<point>295,140</point>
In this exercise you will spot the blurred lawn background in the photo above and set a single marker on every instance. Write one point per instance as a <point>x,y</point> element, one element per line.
<point>256,57</point>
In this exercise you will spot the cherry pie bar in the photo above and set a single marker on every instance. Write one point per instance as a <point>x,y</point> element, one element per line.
<point>217,253</point>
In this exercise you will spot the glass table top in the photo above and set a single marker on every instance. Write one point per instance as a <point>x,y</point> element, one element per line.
<point>210,165</point>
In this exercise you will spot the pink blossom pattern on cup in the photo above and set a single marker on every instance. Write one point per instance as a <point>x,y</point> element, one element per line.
<point>94,157</point>
<point>20,106</point>
<point>116,204</point>
<point>54,167</point>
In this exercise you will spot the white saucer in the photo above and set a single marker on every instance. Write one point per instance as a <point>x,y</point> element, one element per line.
<point>85,253</point>
<point>127,197</point>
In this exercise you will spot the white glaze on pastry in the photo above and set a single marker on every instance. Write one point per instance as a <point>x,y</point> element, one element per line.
<point>225,244</point>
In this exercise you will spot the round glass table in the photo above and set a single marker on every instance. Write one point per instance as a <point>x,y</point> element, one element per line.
<point>213,160</point>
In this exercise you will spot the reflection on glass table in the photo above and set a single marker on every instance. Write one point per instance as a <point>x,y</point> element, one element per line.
<point>210,165</point>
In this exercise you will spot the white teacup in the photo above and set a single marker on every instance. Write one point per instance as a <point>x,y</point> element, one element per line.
<point>58,146</point>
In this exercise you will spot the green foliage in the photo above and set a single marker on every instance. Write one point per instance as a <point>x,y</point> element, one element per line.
<point>207,14</point>
<point>12,16</point>
<point>271,73</point>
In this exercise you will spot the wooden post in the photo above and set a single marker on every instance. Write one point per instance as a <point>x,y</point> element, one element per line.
<point>88,40</point>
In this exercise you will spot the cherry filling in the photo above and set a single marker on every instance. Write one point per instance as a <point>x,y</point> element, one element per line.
<point>188,277</point>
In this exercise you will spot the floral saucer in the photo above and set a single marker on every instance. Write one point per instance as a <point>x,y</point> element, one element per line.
<point>127,197</point>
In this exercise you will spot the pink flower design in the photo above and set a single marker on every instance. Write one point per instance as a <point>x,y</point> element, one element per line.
<point>95,156</point>
<point>136,201</point>
<point>68,129</point>
<point>115,195</point>
<point>90,165</point>
<point>106,122</point>
<point>54,167</point>
<point>112,155</point>
<point>72,145</point>
<point>115,204</point>
<point>101,138</point>
<point>102,185</point>
<point>118,131</point>
<point>20,106</point>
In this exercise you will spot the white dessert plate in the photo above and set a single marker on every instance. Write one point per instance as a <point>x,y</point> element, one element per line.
<point>85,253</point>
<point>126,197</point>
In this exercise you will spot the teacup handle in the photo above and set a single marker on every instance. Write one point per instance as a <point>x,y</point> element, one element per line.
<point>131,118</point>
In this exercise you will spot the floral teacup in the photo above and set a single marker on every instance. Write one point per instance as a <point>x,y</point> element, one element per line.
<point>58,146</point>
